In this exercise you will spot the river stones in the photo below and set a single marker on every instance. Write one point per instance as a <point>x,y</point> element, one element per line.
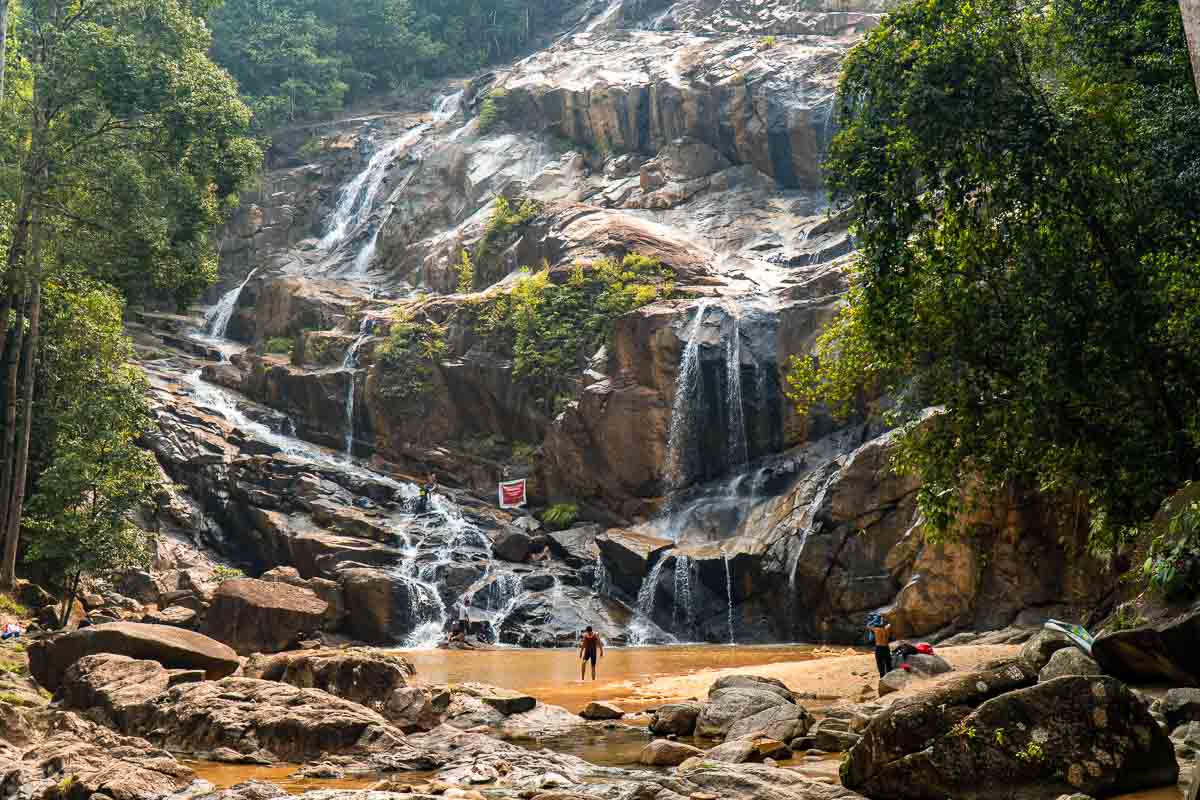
<point>1181,706</point>
<point>728,706</point>
<point>783,722</point>
<point>1044,644</point>
<point>1068,661</point>
<point>598,710</point>
<point>172,647</point>
<point>668,753</point>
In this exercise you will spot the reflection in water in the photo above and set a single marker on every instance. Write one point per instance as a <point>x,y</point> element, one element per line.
<point>224,776</point>
<point>552,676</point>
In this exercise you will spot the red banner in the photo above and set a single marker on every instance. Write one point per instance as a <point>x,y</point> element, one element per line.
<point>512,494</point>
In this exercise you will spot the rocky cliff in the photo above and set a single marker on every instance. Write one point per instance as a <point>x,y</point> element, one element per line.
<point>349,348</point>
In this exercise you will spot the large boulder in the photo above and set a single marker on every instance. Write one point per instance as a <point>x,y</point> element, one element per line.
<point>254,616</point>
<point>174,648</point>
<point>576,546</point>
<point>928,664</point>
<point>726,707</point>
<point>1076,734</point>
<point>363,675</point>
<point>512,545</point>
<point>630,556</point>
<point>908,725</point>
<point>118,686</point>
<point>383,607</point>
<point>678,719</point>
<point>1068,661</point>
<point>1166,651</point>
<point>755,782</point>
<point>752,682</point>
<point>251,716</point>
<point>784,723</point>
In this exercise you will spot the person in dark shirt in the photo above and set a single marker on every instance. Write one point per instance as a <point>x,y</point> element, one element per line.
<point>591,647</point>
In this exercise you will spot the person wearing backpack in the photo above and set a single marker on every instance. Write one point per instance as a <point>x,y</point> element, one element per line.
<point>879,630</point>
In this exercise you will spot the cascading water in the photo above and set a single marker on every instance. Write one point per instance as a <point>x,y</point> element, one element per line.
<point>216,321</point>
<point>683,612</point>
<point>507,595</point>
<point>729,595</point>
<point>687,383</point>
<point>601,579</point>
<point>739,451</point>
<point>649,588</point>
<point>350,364</point>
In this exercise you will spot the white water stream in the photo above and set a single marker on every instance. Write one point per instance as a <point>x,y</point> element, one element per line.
<point>216,321</point>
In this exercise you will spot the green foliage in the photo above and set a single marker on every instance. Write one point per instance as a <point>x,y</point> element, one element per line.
<point>1172,564</point>
<point>1025,184</point>
<point>298,59</point>
<point>769,41</point>
<point>1125,618</point>
<point>14,699</point>
<point>1031,753</point>
<point>408,357</point>
<point>466,274</point>
<point>503,223</point>
<point>226,573</point>
<point>279,345</point>
<point>10,606</point>
<point>554,325</point>
<point>561,515</point>
<point>93,413</point>
<point>492,110</point>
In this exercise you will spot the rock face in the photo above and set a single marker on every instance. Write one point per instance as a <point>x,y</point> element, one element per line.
<point>726,707</point>
<point>1168,651</point>
<point>783,723</point>
<point>1090,735</point>
<point>49,659</point>
<point>1181,706</point>
<point>255,616</point>
<point>677,719</point>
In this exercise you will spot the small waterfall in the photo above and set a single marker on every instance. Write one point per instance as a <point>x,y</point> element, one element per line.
<point>739,451</point>
<point>649,588</point>
<point>357,199</point>
<point>508,595</point>
<point>350,364</point>
<point>687,383</point>
<point>683,613</point>
<point>447,106</point>
<point>216,321</point>
<point>601,580</point>
<point>729,594</point>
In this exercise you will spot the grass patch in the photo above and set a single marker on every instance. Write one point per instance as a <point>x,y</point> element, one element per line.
<point>14,699</point>
<point>10,606</point>
<point>561,515</point>
<point>407,357</point>
<point>225,573</point>
<point>279,346</point>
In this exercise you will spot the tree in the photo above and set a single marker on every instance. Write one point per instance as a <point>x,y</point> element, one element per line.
<point>93,413</point>
<point>132,145</point>
<point>1026,184</point>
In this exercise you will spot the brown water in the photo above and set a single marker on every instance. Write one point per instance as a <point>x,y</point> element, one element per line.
<point>552,676</point>
<point>224,776</point>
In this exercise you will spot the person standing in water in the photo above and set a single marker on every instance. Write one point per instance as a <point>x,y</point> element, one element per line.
<point>881,629</point>
<point>427,490</point>
<point>591,647</point>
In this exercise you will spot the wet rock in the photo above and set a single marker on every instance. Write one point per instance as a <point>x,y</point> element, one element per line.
<point>752,682</point>
<point>363,675</point>
<point>784,723</point>
<point>175,648</point>
<point>1181,706</point>
<point>727,706</point>
<point>512,546</point>
<point>1165,651</point>
<point>254,616</point>
<point>507,702</point>
<point>576,545</point>
<point>667,753</point>
<point>1042,646</point>
<point>766,747</point>
<point>382,607</point>
<point>1081,734</point>
<point>598,710</point>
<point>1068,661</point>
<point>677,719</point>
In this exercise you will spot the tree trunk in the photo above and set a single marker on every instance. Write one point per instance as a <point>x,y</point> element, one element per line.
<point>12,534</point>
<point>3,45</point>
<point>8,434</point>
<point>1191,27</point>
<point>72,589</point>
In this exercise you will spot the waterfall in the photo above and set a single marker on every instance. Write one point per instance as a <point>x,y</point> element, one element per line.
<point>350,364</point>
<point>739,451</point>
<point>356,201</point>
<point>683,611</point>
<point>508,595</point>
<point>649,588</point>
<point>216,321</point>
<point>687,382</point>
<point>447,106</point>
<point>601,580</point>
<point>729,594</point>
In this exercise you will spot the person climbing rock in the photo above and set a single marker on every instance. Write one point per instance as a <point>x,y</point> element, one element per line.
<point>591,647</point>
<point>426,493</point>
<point>881,632</point>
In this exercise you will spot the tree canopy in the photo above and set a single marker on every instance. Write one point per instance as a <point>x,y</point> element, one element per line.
<point>1026,184</point>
